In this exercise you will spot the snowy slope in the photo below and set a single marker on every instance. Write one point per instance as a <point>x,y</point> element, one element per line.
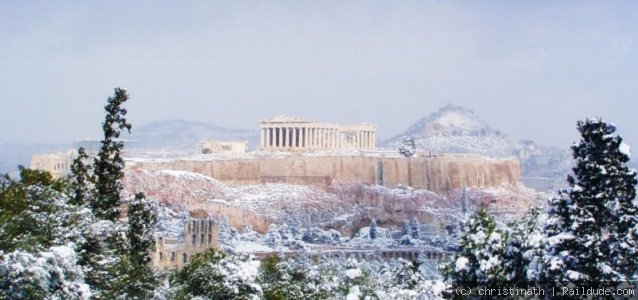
<point>346,207</point>
<point>455,129</point>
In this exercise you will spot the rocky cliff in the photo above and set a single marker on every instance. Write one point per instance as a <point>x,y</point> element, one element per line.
<point>434,173</point>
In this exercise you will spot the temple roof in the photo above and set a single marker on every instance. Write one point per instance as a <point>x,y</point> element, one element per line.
<point>285,119</point>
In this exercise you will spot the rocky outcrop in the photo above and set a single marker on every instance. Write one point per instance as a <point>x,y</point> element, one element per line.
<point>435,173</point>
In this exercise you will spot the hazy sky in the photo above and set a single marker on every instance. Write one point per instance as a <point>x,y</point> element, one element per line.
<point>528,68</point>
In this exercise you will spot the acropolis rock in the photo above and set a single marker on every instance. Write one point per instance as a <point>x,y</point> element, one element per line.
<point>435,173</point>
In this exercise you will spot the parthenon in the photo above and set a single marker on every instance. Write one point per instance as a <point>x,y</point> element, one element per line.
<point>294,134</point>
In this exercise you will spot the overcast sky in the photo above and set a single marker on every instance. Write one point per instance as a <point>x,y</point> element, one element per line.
<point>528,68</point>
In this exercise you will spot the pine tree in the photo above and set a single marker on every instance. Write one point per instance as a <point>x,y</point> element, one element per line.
<point>109,163</point>
<point>480,260</point>
<point>373,229</point>
<point>591,228</point>
<point>81,179</point>
<point>405,228</point>
<point>414,226</point>
<point>464,201</point>
<point>139,281</point>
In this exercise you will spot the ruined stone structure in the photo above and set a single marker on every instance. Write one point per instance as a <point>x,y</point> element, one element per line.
<point>219,147</point>
<point>174,251</point>
<point>58,164</point>
<point>293,134</point>
<point>434,173</point>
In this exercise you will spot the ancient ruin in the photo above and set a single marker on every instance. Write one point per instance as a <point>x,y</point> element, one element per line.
<point>283,133</point>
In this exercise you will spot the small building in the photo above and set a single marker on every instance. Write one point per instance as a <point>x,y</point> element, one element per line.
<point>174,250</point>
<point>283,133</point>
<point>58,164</point>
<point>218,147</point>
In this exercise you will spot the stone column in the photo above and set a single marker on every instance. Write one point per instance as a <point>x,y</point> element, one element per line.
<point>312,137</point>
<point>263,138</point>
<point>324,138</point>
<point>305,137</point>
<point>294,137</point>
<point>281,137</point>
<point>374,140</point>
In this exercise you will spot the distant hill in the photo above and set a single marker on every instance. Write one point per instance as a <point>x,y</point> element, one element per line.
<point>180,135</point>
<point>455,129</point>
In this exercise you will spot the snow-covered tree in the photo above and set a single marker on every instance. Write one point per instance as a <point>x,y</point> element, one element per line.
<point>109,164</point>
<point>407,147</point>
<point>33,211</point>
<point>138,280</point>
<point>404,280</point>
<point>373,229</point>
<point>227,234</point>
<point>464,201</point>
<point>405,228</point>
<point>591,228</point>
<point>479,261</point>
<point>524,251</point>
<point>273,237</point>
<point>214,275</point>
<point>81,179</point>
<point>50,274</point>
<point>414,227</point>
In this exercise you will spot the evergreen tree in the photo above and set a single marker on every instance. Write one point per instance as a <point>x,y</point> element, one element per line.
<point>592,227</point>
<point>373,229</point>
<point>103,253</point>
<point>480,260</point>
<point>109,163</point>
<point>139,280</point>
<point>464,201</point>
<point>214,275</point>
<point>81,179</point>
<point>524,251</point>
<point>414,226</point>
<point>407,147</point>
<point>33,211</point>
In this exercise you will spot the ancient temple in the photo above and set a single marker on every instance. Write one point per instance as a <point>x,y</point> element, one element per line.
<point>283,133</point>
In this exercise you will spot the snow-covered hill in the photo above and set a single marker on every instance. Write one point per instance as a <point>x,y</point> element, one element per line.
<point>345,207</point>
<point>455,129</point>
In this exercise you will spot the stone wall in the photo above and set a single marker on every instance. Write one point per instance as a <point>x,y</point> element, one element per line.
<point>436,173</point>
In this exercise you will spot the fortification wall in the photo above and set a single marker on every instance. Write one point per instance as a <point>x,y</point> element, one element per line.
<point>438,174</point>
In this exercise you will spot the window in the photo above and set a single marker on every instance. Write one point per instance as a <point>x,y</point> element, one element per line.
<point>201,241</point>
<point>161,256</point>
<point>210,238</point>
<point>202,224</point>
<point>210,226</point>
<point>173,256</point>
<point>194,239</point>
<point>189,227</point>
<point>185,258</point>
